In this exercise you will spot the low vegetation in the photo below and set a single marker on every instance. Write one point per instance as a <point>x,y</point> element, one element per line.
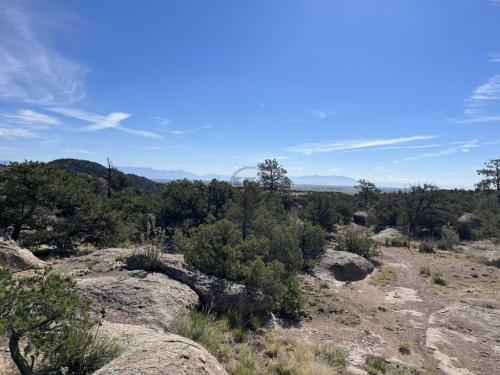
<point>375,365</point>
<point>49,326</point>
<point>404,348</point>
<point>356,239</point>
<point>384,276</point>
<point>276,353</point>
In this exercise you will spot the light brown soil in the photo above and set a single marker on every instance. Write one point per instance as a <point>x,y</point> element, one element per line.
<point>451,329</point>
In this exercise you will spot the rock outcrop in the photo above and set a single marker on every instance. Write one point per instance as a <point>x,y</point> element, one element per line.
<point>360,218</point>
<point>387,233</point>
<point>345,266</point>
<point>221,295</point>
<point>466,224</point>
<point>17,258</point>
<point>138,297</point>
<point>153,352</point>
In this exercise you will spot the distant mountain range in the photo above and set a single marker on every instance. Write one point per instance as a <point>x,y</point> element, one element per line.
<point>167,175</point>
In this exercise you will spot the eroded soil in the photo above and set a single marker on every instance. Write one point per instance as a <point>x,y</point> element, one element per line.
<point>451,329</point>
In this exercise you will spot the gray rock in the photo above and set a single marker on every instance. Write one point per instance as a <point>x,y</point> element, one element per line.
<point>219,294</point>
<point>345,266</point>
<point>472,220</point>
<point>466,224</point>
<point>17,258</point>
<point>387,233</point>
<point>152,299</point>
<point>360,218</point>
<point>153,352</point>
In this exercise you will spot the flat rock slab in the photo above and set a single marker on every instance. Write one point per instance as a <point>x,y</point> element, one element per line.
<point>345,266</point>
<point>465,339</point>
<point>17,258</point>
<point>139,298</point>
<point>153,352</point>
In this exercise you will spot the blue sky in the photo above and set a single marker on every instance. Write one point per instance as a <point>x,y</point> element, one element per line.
<point>390,90</point>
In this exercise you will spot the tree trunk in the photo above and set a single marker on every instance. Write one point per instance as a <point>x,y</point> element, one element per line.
<point>22,365</point>
<point>17,231</point>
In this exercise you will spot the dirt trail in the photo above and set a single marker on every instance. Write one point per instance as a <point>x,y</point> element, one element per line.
<point>451,329</point>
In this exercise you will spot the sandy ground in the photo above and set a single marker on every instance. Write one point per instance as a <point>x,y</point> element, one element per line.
<point>451,329</point>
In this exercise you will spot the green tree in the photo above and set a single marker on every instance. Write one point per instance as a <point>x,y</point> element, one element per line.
<point>183,205</point>
<point>25,191</point>
<point>368,192</point>
<point>491,180</point>
<point>37,312</point>
<point>272,176</point>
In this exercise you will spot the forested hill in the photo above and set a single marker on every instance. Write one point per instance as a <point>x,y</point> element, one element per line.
<point>139,183</point>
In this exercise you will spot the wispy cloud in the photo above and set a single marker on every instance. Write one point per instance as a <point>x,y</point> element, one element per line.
<point>100,122</point>
<point>332,146</point>
<point>7,150</point>
<point>408,147</point>
<point>259,103</point>
<point>77,151</point>
<point>30,70</point>
<point>495,56</point>
<point>194,130</point>
<point>29,117</point>
<point>163,121</point>
<point>483,104</point>
<point>9,133</point>
<point>319,115</point>
<point>452,147</point>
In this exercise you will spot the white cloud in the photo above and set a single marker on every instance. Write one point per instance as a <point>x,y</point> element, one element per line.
<point>483,104</point>
<point>331,146</point>
<point>453,147</point>
<point>29,117</point>
<point>10,133</point>
<point>259,103</point>
<point>495,56</point>
<point>100,122</point>
<point>163,121</point>
<point>30,70</point>
<point>7,150</point>
<point>77,151</point>
<point>194,130</point>
<point>319,115</point>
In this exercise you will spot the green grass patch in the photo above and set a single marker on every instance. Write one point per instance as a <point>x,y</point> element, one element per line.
<point>384,276</point>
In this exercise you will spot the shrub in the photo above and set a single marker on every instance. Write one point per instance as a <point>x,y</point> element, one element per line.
<point>82,352</point>
<point>396,242</point>
<point>147,252</point>
<point>356,239</point>
<point>311,242</point>
<point>291,356</point>
<point>205,329</point>
<point>437,278</point>
<point>261,262</point>
<point>46,320</point>
<point>375,365</point>
<point>449,238</point>
<point>404,348</point>
<point>425,271</point>
<point>426,247</point>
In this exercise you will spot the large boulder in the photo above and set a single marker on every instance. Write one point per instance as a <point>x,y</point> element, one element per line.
<point>387,233</point>
<point>138,297</point>
<point>466,224</point>
<point>221,295</point>
<point>152,352</point>
<point>360,218</point>
<point>17,258</point>
<point>345,266</point>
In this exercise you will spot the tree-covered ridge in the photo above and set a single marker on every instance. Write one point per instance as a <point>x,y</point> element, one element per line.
<point>139,183</point>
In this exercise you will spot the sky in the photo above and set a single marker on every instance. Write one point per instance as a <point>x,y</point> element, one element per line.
<point>394,91</point>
